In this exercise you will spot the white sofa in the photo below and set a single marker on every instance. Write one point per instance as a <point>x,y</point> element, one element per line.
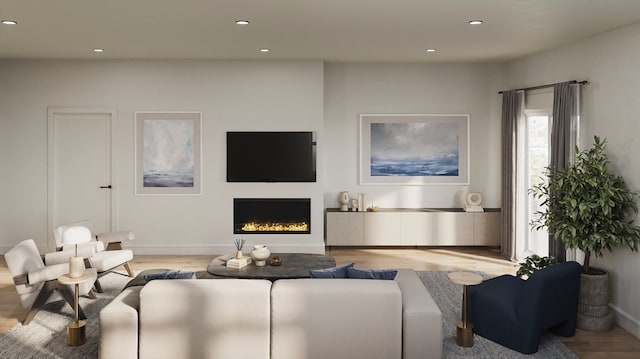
<point>289,318</point>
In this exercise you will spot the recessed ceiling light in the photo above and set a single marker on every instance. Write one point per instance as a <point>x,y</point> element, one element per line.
<point>264,50</point>
<point>98,50</point>
<point>475,22</point>
<point>9,22</point>
<point>242,22</point>
<point>431,50</point>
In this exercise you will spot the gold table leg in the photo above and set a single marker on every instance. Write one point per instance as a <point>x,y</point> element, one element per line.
<point>464,330</point>
<point>76,333</point>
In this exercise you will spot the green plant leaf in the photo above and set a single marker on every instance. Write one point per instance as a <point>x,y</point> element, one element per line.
<point>587,207</point>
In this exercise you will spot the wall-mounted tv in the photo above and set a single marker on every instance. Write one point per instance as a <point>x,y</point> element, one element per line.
<point>271,157</point>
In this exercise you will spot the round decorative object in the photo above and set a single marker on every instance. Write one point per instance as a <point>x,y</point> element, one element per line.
<point>474,199</point>
<point>275,261</point>
<point>260,253</point>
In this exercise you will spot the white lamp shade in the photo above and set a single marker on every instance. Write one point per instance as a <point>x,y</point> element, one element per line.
<point>76,234</point>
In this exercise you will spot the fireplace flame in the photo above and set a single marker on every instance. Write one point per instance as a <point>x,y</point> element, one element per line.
<point>275,227</point>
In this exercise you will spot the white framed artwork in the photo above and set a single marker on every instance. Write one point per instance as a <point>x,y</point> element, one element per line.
<point>168,158</point>
<point>414,149</point>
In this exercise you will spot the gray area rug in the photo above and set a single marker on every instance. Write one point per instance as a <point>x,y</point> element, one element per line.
<point>448,296</point>
<point>46,337</point>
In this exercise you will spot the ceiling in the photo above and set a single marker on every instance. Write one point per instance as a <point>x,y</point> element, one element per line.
<point>329,30</point>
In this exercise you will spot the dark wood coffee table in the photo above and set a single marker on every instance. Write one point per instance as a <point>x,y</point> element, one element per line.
<point>294,265</point>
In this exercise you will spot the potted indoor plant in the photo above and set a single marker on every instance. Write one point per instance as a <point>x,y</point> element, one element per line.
<point>587,207</point>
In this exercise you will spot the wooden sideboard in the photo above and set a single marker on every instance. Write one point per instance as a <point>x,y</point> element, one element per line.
<point>413,227</point>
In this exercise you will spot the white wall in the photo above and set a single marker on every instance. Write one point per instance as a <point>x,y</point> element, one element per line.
<point>610,63</point>
<point>236,95</point>
<point>286,95</point>
<point>352,89</point>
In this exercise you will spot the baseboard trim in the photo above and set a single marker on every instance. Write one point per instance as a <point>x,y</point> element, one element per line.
<point>626,321</point>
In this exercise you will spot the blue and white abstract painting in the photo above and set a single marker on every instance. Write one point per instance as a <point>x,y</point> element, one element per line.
<point>168,153</point>
<point>414,149</point>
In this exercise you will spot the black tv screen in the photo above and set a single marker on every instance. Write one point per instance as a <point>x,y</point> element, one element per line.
<point>271,157</point>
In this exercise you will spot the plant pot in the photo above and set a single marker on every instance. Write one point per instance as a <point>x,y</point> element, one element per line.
<point>594,313</point>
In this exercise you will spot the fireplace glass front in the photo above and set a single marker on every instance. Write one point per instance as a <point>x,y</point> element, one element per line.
<point>272,215</point>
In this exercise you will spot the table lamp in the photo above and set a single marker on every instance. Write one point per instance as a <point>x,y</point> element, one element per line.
<point>75,235</point>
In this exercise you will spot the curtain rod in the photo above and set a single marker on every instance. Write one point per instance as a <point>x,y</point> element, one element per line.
<point>548,85</point>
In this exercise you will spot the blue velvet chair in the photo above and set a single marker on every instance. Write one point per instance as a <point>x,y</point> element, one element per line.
<point>516,312</point>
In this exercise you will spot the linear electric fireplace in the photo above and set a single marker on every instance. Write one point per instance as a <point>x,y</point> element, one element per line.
<point>272,215</point>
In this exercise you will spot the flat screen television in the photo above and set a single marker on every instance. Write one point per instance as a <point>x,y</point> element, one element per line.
<point>271,157</point>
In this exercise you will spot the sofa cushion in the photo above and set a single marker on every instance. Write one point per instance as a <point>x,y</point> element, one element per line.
<point>357,273</point>
<point>334,272</point>
<point>216,318</point>
<point>106,260</point>
<point>421,318</point>
<point>118,326</point>
<point>336,318</point>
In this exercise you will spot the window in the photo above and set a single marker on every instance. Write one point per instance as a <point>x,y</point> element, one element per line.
<point>536,159</point>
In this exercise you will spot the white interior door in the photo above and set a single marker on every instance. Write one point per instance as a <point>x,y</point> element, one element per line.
<point>80,167</point>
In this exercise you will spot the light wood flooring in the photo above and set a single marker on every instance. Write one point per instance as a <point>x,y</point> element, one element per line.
<point>587,345</point>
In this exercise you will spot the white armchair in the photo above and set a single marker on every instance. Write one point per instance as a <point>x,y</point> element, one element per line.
<point>103,258</point>
<point>37,283</point>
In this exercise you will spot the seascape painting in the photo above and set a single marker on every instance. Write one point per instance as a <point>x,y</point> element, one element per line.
<point>168,153</point>
<point>414,149</point>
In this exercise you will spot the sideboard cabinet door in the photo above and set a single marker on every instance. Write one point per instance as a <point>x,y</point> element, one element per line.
<point>345,228</point>
<point>382,228</point>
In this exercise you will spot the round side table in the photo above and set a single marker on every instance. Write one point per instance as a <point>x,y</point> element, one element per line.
<point>76,333</point>
<point>464,330</point>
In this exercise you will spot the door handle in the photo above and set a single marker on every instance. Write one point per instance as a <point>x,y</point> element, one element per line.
<point>109,186</point>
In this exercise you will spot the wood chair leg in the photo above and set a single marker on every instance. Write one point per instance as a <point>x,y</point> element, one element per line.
<point>68,295</point>
<point>45,292</point>
<point>98,286</point>
<point>127,266</point>
<point>92,294</point>
<point>32,313</point>
<point>114,246</point>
